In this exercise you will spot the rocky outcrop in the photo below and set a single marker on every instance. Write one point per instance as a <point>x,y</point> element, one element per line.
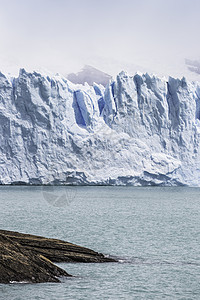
<point>25,257</point>
<point>18,264</point>
<point>56,250</point>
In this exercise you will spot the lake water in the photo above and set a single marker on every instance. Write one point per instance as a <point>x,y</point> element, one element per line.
<point>154,231</point>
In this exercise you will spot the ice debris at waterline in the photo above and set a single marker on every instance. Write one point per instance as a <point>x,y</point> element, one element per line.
<point>28,258</point>
<point>139,130</point>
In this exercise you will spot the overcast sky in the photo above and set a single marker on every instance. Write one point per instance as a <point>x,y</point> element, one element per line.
<point>63,35</point>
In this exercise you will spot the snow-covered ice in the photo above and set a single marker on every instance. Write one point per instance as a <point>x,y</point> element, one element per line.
<point>139,130</point>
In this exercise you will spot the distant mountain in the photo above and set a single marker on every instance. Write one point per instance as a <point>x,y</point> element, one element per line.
<point>193,65</point>
<point>90,75</point>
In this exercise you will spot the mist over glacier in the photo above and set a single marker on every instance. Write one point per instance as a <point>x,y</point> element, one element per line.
<point>138,130</point>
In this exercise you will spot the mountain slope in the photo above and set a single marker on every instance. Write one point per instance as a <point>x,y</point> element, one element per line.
<point>90,75</point>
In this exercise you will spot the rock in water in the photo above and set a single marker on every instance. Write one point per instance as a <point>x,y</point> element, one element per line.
<point>139,130</point>
<point>26,258</point>
<point>18,264</point>
<point>56,250</point>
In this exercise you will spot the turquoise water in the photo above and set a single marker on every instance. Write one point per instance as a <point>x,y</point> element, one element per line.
<point>155,233</point>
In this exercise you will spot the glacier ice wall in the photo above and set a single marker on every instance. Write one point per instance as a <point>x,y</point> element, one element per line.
<point>139,130</point>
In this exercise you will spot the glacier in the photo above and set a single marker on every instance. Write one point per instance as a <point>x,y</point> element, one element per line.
<point>138,130</point>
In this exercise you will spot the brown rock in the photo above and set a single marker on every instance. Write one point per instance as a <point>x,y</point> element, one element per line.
<point>18,264</point>
<point>56,250</point>
<point>25,257</point>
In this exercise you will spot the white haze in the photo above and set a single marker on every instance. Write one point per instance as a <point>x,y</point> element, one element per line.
<point>63,35</point>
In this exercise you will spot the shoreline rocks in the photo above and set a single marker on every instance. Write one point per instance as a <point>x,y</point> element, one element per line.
<point>20,265</point>
<point>29,258</point>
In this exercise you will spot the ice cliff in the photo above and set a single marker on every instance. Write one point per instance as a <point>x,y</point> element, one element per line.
<point>139,130</point>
